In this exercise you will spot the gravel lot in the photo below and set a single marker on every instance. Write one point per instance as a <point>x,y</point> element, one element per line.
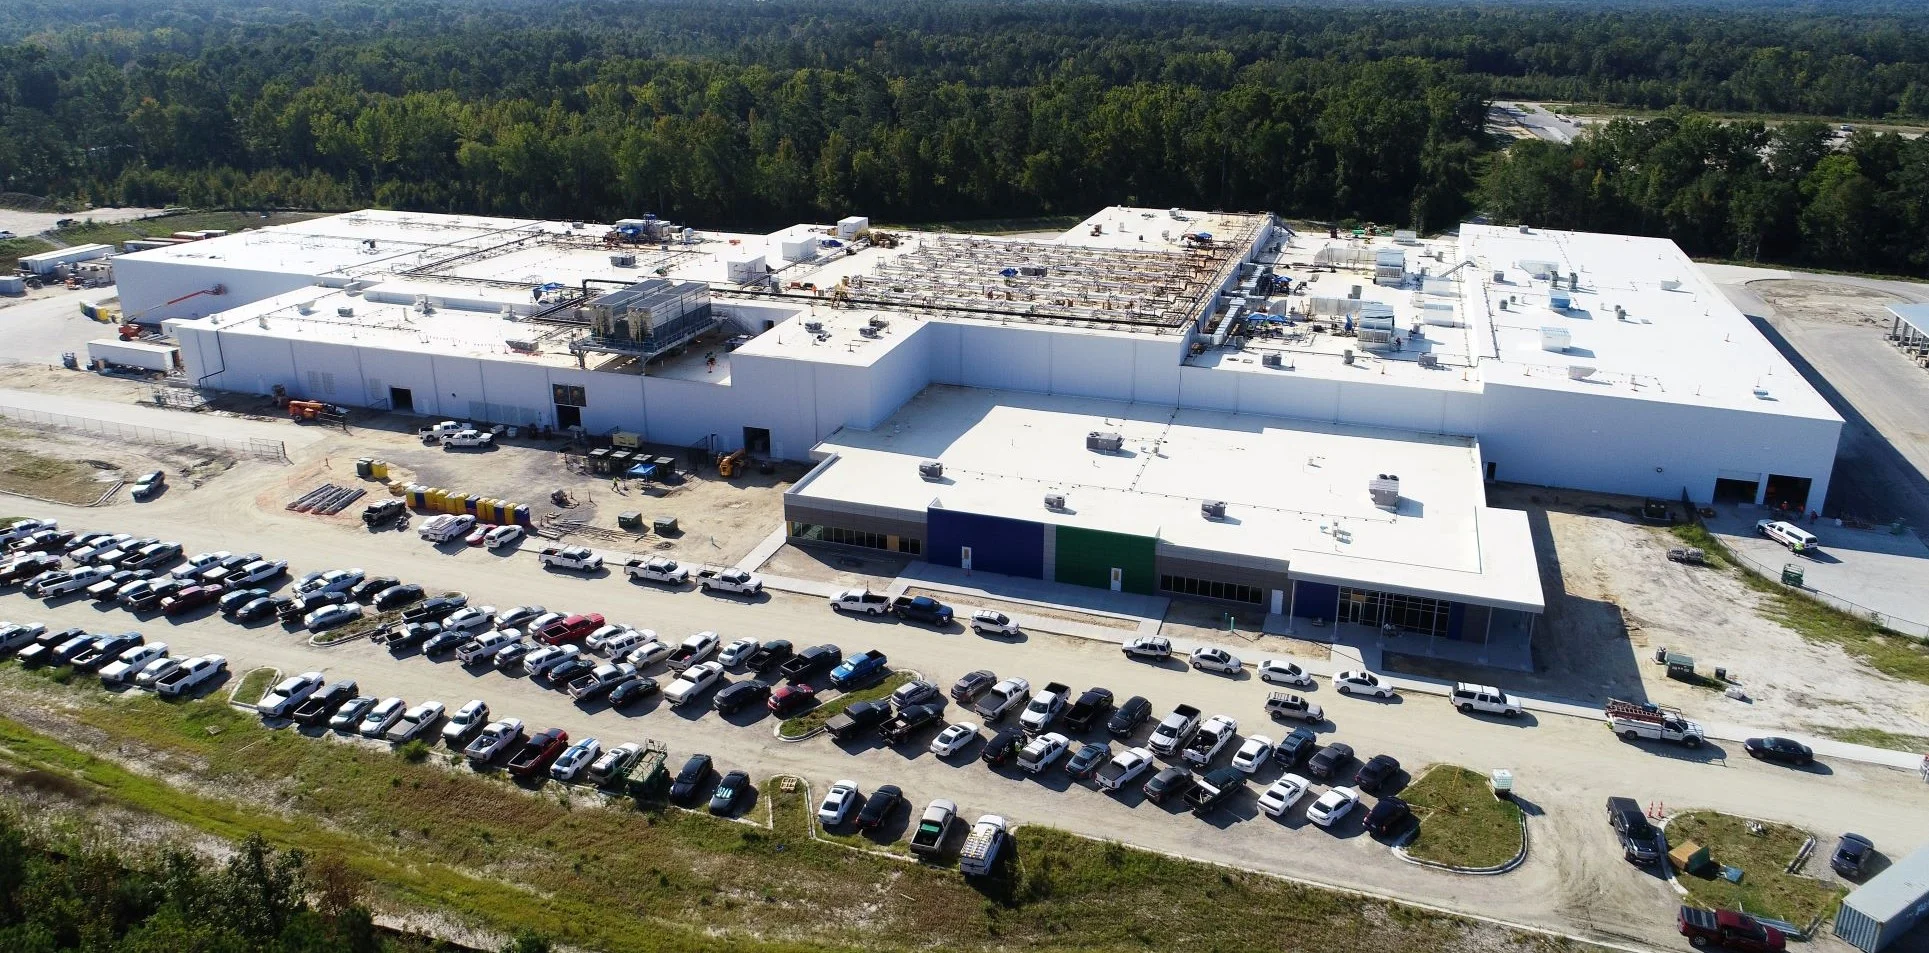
<point>1573,879</point>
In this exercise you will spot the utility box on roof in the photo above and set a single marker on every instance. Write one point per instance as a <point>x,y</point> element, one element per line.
<point>745,269</point>
<point>848,228</point>
<point>1889,905</point>
<point>1390,267</point>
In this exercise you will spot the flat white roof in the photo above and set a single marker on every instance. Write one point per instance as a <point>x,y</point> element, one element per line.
<point>1296,492</point>
<point>1675,338</point>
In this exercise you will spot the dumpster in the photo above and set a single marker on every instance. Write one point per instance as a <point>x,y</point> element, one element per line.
<point>664,525</point>
<point>630,521</point>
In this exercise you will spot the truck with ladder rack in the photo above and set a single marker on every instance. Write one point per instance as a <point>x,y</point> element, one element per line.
<point>1636,721</point>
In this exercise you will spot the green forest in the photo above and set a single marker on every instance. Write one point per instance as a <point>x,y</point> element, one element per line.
<point>753,114</point>
<point>62,891</point>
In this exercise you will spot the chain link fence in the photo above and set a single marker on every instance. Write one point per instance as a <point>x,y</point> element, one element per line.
<point>256,447</point>
<point>1908,627</point>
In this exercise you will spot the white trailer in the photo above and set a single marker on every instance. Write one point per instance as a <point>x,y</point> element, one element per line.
<point>47,263</point>
<point>141,354</point>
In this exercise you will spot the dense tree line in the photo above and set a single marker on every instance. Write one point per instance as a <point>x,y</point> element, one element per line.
<point>1742,190</point>
<point>65,894</point>
<point>750,114</point>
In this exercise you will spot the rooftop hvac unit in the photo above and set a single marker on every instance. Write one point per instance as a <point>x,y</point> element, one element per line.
<point>1556,339</point>
<point>624,260</point>
<point>1055,501</point>
<point>1428,360</point>
<point>880,323</point>
<point>1347,357</point>
<point>1104,442</point>
<point>1213,509</point>
<point>1558,300</point>
<point>869,331</point>
<point>1355,293</point>
<point>305,307</point>
<point>345,311</point>
<point>1579,372</point>
<point>1500,277</point>
<point>522,347</point>
<point>813,326</point>
<point>1670,284</point>
<point>1620,313</point>
<point>931,470</point>
<point>1271,359</point>
<point>1385,490</point>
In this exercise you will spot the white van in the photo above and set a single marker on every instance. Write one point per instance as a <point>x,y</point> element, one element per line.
<point>1794,537</point>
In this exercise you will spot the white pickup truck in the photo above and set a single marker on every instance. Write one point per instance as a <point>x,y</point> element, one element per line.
<point>657,569</point>
<point>436,433</point>
<point>738,581</point>
<point>1211,737</point>
<point>571,557</point>
<point>446,527</point>
<point>468,438</point>
<point>861,601</point>
<point>494,740</point>
<point>692,682</point>
<point>1635,721</point>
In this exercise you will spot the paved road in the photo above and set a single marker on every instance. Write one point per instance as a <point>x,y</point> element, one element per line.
<point>1540,122</point>
<point>1573,881</point>
<point>33,223</point>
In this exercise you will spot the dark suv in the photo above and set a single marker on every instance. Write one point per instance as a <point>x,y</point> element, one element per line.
<point>1640,841</point>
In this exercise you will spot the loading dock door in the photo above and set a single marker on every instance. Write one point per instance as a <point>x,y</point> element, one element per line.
<point>1788,491</point>
<point>402,399</point>
<point>990,543</point>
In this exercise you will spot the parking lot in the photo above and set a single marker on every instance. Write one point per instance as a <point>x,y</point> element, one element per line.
<point>1565,766</point>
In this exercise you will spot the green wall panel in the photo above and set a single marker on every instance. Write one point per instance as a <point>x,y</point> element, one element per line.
<point>1086,557</point>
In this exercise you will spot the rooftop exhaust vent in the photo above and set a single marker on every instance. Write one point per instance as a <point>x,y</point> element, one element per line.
<point>1385,490</point>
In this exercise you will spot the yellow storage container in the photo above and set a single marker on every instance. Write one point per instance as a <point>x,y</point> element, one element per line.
<point>380,468</point>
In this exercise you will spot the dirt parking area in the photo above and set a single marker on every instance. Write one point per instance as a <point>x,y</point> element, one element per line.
<point>79,470</point>
<point>1614,599</point>
<point>846,569</point>
<point>718,520</point>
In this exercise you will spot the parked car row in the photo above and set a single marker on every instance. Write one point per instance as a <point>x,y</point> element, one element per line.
<point>123,659</point>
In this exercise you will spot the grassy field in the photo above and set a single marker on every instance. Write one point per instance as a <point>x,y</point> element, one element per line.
<point>1764,889</point>
<point>1886,651</point>
<point>815,718</point>
<point>1874,737</point>
<point>14,249</point>
<point>32,474</point>
<point>1461,822</point>
<point>608,874</point>
<point>254,685</point>
<point>162,225</point>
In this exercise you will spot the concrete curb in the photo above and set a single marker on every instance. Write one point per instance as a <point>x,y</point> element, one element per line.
<point>777,730</point>
<point>1400,851</point>
<point>250,706</point>
<point>810,825</point>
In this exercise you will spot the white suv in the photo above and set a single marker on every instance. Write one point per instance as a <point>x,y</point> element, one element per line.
<point>1470,698</point>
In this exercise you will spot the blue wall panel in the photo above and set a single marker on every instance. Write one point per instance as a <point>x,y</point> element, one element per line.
<point>1457,619</point>
<point>1000,545</point>
<point>1316,600</point>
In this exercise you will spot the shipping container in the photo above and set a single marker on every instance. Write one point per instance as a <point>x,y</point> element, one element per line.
<point>141,354</point>
<point>1889,905</point>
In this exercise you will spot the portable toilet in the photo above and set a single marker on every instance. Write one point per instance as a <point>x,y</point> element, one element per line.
<point>522,514</point>
<point>470,502</point>
<point>418,496</point>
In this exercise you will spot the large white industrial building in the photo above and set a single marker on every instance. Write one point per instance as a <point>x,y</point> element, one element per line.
<point>1295,368</point>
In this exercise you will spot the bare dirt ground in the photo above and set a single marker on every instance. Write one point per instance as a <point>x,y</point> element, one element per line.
<point>78,469</point>
<point>33,223</point>
<point>1614,599</point>
<point>847,569</point>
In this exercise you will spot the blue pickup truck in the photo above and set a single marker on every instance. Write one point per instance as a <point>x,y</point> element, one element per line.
<point>858,669</point>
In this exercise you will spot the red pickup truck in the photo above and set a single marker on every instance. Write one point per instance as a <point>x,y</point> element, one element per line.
<point>571,629</point>
<point>538,753</point>
<point>1726,929</point>
<point>189,599</point>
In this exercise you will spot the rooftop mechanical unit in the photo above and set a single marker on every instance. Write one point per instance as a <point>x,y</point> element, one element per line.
<point>623,260</point>
<point>1055,501</point>
<point>1271,359</point>
<point>931,470</point>
<point>1213,509</point>
<point>1104,442</point>
<point>1385,490</point>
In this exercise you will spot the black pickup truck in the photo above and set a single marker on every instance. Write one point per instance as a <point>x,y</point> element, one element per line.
<point>316,709</point>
